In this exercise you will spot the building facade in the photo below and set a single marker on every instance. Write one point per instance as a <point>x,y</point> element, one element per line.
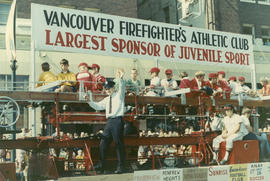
<point>126,8</point>
<point>237,16</point>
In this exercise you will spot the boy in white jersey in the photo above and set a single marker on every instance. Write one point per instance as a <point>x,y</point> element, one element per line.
<point>169,84</point>
<point>154,88</point>
<point>230,133</point>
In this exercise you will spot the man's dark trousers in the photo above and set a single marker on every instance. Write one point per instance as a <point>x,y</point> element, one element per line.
<point>113,130</point>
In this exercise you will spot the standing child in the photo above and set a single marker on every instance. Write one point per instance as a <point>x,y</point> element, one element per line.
<point>169,84</point>
<point>97,79</point>
<point>154,89</point>
<point>84,76</point>
<point>222,82</point>
<point>133,84</point>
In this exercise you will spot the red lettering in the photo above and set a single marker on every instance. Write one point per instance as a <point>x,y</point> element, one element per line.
<point>167,51</point>
<point>143,48</point>
<point>199,54</point>
<point>102,38</point>
<point>77,41</point>
<point>115,45</point>
<point>157,49</point>
<point>69,39</point>
<point>129,46</point>
<point>247,58</point>
<point>95,42</point>
<point>48,37</point>
<point>59,39</point>
<point>122,45</point>
<point>237,58</point>
<point>85,41</point>
<point>150,49</point>
<point>219,56</point>
<point>136,47</point>
<point>193,52</point>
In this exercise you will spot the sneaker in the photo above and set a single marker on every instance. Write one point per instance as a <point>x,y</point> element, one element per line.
<point>213,162</point>
<point>223,162</point>
<point>99,168</point>
<point>119,170</point>
<point>150,110</point>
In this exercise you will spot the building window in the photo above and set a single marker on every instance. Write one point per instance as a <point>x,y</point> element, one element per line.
<point>266,35</point>
<point>4,11</point>
<point>22,82</point>
<point>264,1</point>
<point>248,1</point>
<point>95,10</point>
<point>249,29</point>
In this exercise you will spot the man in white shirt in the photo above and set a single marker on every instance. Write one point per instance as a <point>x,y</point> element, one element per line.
<point>169,84</point>
<point>114,129</point>
<point>241,87</point>
<point>230,133</point>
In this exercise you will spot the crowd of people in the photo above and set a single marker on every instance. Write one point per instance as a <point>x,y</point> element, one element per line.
<point>217,84</point>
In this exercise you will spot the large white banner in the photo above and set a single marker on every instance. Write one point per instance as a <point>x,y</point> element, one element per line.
<point>69,30</point>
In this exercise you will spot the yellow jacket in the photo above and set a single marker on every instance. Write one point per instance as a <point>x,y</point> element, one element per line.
<point>46,77</point>
<point>69,77</point>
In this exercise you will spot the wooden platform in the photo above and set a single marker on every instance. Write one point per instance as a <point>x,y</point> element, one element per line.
<point>26,96</point>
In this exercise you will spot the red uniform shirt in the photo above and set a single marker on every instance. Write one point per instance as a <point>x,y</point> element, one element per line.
<point>185,83</point>
<point>84,76</point>
<point>215,87</point>
<point>225,87</point>
<point>194,86</point>
<point>97,83</point>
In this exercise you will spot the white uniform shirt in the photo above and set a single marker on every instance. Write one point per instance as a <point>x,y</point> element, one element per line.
<point>169,85</point>
<point>243,128</point>
<point>117,102</point>
<point>241,89</point>
<point>155,81</point>
<point>231,123</point>
<point>233,86</point>
<point>157,89</point>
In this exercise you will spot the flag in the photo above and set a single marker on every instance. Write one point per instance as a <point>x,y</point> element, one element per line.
<point>11,33</point>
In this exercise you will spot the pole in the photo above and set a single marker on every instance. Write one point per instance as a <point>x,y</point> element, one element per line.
<point>253,77</point>
<point>32,85</point>
<point>13,67</point>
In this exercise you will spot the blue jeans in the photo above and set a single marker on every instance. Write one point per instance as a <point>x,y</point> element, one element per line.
<point>263,142</point>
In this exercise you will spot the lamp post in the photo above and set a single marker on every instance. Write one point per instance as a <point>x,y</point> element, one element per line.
<point>13,67</point>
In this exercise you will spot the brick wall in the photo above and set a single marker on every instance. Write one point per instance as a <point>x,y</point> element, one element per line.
<point>127,8</point>
<point>155,10</point>
<point>255,14</point>
<point>227,16</point>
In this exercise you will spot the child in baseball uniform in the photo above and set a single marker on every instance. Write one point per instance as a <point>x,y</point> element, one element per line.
<point>154,88</point>
<point>230,133</point>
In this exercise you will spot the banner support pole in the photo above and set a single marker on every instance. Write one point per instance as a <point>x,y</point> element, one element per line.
<point>32,86</point>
